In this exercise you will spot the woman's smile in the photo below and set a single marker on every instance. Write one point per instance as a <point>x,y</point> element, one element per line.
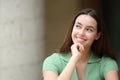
<point>80,40</point>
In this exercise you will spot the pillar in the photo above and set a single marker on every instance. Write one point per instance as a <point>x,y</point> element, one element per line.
<point>21,39</point>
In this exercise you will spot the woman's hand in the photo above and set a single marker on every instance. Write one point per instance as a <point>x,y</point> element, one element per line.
<point>77,50</point>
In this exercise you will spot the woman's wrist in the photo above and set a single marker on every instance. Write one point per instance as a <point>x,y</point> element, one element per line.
<point>74,59</point>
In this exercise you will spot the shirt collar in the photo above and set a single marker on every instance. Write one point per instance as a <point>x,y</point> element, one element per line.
<point>92,58</point>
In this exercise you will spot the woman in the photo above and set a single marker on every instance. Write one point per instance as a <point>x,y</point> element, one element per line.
<point>86,53</point>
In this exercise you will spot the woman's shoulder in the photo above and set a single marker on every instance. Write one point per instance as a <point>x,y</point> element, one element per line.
<point>58,56</point>
<point>52,63</point>
<point>55,62</point>
<point>108,64</point>
<point>53,56</point>
<point>106,59</point>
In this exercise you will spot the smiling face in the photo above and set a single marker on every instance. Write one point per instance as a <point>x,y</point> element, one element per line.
<point>85,30</point>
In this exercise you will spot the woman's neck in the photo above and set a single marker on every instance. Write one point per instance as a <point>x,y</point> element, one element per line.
<point>85,56</point>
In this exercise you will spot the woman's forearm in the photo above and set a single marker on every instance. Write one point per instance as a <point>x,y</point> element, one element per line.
<point>68,70</point>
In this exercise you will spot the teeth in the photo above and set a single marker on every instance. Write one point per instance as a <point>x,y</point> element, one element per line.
<point>80,40</point>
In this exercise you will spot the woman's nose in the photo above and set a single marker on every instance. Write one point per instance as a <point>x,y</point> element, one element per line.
<point>82,32</point>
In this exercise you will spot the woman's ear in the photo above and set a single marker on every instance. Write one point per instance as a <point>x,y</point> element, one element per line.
<point>98,36</point>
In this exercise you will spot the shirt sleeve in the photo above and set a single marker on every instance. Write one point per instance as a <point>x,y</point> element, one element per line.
<point>51,63</point>
<point>109,64</point>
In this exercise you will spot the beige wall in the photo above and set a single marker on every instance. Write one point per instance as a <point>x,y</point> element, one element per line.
<point>57,19</point>
<point>21,39</point>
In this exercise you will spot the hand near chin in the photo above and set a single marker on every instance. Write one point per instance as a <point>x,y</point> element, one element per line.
<point>77,50</point>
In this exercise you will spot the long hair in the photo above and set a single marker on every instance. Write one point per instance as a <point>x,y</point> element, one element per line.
<point>99,47</point>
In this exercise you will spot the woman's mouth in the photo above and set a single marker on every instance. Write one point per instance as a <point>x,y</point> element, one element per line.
<point>80,40</point>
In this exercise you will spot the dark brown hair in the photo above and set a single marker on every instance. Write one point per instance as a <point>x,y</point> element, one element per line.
<point>101,46</point>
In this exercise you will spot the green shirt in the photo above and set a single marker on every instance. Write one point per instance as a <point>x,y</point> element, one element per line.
<point>96,68</point>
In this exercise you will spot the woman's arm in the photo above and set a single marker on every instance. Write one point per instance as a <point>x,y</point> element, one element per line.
<point>66,73</point>
<point>112,75</point>
<point>68,70</point>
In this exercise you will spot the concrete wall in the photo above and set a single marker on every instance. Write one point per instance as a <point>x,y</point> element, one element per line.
<point>21,39</point>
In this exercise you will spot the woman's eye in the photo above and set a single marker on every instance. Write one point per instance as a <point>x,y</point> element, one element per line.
<point>78,26</point>
<point>89,30</point>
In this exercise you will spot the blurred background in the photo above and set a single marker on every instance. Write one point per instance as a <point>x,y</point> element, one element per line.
<point>31,30</point>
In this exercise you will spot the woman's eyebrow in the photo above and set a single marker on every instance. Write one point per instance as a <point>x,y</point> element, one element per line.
<point>87,26</point>
<point>91,27</point>
<point>79,23</point>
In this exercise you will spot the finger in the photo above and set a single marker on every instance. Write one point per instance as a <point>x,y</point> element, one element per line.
<point>80,47</point>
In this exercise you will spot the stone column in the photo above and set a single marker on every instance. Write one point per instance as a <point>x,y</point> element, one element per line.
<point>21,39</point>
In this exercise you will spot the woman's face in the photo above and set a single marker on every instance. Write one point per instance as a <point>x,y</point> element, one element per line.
<point>85,30</point>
